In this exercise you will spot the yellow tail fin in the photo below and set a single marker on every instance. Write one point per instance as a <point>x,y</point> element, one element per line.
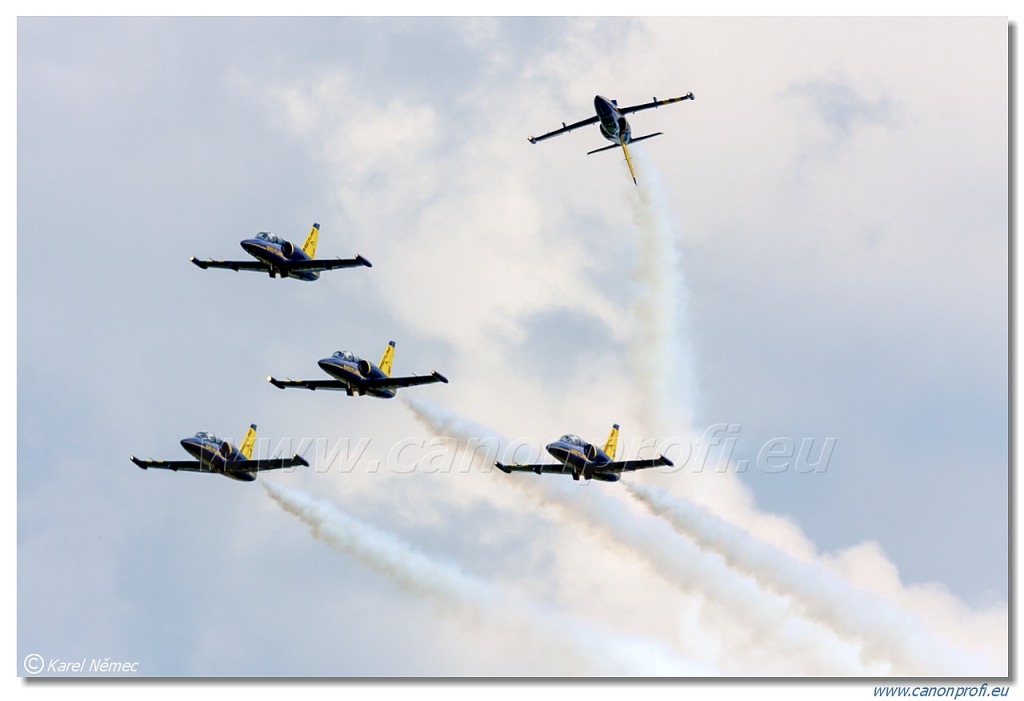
<point>248,442</point>
<point>385,360</point>
<point>629,162</point>
<point>309,248</point>
<point>612,443</point>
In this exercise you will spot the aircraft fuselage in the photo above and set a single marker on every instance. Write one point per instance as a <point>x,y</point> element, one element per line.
<point>584,460</point>
<point>214,454</point>
<point>353,371</point>
<point>274,253</point>
<point>614,126</point>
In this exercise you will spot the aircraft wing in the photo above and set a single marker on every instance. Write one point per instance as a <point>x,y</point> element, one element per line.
<point>229,467</point>
<point>235,265</point>
<point>327,264</point>
<point>631,465</point>
<point>410,381</point>
<point>308,384</point>
<point>566,128</point>
<point>549,468</point>
<point>655,103</point>
<point>616,467</point>
<point>186,465</point>
<point>266,464</point>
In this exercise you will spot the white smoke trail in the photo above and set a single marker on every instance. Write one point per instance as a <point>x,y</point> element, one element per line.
<point>668,389</point>
<point>659,345</point>
<point>380,551</point>
<point>729,595</point>
<point>886,634</point>
<point>580,648</point>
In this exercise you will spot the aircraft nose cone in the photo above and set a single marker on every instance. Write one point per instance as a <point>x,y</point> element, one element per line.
<point>250,246</point>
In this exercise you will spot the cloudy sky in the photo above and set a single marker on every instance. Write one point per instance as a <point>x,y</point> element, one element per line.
<point>804,303</point>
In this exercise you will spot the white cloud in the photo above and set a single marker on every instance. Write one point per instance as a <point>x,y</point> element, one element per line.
<point>806,269</point>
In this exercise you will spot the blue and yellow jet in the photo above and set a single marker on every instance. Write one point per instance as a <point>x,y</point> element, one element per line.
<point>614,126</point>
<point>354,375</point>
<point>586,460</point>
<point>220,457</point>
<point>283,259</point>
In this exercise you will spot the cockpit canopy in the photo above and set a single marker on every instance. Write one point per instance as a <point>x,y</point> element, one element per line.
<point>570,438</point>
<point>345,355</point>
<point>270,237</point>
<point>206,436</point>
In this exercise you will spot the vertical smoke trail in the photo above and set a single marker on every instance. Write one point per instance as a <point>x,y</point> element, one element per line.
<point>731,596</point>
<point>578,647</point>
<point>885,634</point>
<point>659,350</point>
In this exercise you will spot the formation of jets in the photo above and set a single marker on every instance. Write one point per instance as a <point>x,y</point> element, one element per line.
<point>353,375</point>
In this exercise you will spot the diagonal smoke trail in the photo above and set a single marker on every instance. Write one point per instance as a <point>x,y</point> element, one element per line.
<point>731,596</point>
<point>885,634</point>
<point>380,550</point>
<point>578,648</point>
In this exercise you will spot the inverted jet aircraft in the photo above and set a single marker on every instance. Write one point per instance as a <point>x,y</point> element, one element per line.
<point>354,375</point>
<point>283,259</point>
<point>219,456</point>
<point>586,460</point>
<point>613,124</point>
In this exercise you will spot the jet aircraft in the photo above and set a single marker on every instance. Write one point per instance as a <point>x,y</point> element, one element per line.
<point>586,460</point>
<point>613,124</point>
<point>283,259</point>
<point>354,375</point>
<point>219,456</point>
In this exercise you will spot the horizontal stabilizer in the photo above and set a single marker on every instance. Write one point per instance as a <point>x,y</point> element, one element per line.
<point>647,136</point>
<point>632,141</point>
